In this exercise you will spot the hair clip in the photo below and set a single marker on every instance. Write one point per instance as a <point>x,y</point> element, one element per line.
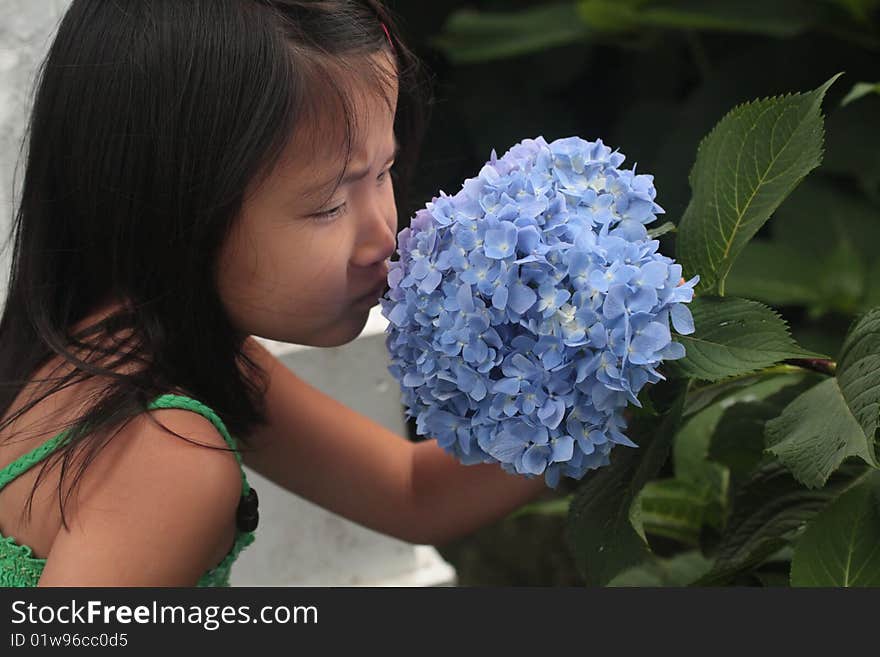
<point>247,516</point>
<point>390,42</point>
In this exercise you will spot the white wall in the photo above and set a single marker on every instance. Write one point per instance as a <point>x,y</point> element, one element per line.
<point>26,28</point>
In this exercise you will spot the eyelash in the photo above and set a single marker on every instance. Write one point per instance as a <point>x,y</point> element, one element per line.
<point>328,216</point>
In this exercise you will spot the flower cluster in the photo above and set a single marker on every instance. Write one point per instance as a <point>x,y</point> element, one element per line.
<point>527,310</point>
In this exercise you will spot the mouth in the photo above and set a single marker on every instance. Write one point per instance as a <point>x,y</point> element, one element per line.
<point>375,293</point>
<point>379,288</point>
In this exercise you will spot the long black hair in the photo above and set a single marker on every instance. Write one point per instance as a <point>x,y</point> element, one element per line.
<point>150,120</point>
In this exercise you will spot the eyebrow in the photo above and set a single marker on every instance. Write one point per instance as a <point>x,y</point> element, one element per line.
<point>354,176</point>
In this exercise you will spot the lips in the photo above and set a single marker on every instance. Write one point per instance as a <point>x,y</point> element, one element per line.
<point>377,289</point>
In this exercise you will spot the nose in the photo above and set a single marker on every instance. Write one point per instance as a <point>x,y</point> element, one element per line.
<point>378,237</point>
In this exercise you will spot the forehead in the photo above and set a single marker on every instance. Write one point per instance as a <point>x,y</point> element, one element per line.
<point>343,122</point>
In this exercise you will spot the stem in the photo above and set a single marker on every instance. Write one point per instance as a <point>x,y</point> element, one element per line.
<point>791,366</point>
<point>781,368</point>
<point>821,365</point>
<point>857,480</point>
<point>767,371</point>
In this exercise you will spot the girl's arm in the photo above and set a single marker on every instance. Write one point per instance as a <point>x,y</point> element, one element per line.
<point>456,499</point>
<point>325,452</point>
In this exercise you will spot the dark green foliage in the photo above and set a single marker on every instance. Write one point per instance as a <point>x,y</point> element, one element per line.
<point>734,484</point>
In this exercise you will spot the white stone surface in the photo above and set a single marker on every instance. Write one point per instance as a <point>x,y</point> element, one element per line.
<point>26,30</point>
<point>297,542</point>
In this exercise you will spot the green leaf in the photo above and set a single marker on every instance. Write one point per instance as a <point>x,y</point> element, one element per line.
<point>600,531</point>
<point>753,158</point>
<point>770,510</point>
<point>823,240</point>
<point>647,407</point>
<point>837,418</point>
<point>700,397</point>
<point>692,468</point>
<point>841,546</point>
<point>843,290</point>
<point>662,229</point>
<point>555,507</point>
<point>720,445</point>
<point>823,211</point>
<point>473,36</point>
<point>859,9</point>
<point>815,433</point>
<point>858,370</point>
<point>691,443</point>
<point>782,18</point>
<point>872,292</point>
<point>738,439</point>
<point>735,336</point>
<point>677,509</point>
<point>680,570</point>
<point>612,16</point>
<point>772,579</point>
<point>777,274</point>
<point>860,89</point>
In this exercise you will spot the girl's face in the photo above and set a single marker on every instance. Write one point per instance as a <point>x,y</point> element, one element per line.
<point>301,270</point>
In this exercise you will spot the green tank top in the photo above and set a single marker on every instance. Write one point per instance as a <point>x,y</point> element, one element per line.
<point>18,565</point>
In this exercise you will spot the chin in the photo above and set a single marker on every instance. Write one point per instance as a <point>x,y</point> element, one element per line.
<point>341,333</point>
<point>344,330</point>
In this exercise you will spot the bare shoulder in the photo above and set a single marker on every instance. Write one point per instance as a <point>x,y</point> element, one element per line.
<point>152,509</point>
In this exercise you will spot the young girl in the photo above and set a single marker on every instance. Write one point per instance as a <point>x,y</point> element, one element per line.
<point>200,172</point>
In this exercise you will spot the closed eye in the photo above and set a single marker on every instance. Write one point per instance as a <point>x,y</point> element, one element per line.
<point>329,215</point>
<point>381,177</point>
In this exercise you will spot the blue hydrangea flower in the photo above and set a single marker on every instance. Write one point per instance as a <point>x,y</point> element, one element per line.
<point>529,309</point>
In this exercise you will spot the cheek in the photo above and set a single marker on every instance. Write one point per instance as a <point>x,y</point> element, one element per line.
<point>235,265</point>
<point>262,265</point>
<point>312,266</point>
<point>292,266</point>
